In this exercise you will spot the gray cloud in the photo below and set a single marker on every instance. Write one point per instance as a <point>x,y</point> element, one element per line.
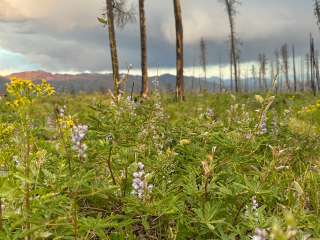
<point>65,35</point>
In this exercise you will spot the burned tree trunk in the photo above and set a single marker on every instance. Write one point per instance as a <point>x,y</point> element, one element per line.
<point>308,79</point>
<point>285,56</point>
<point>279,83</point>
<point>294,68</point>
<point>312,66</point>
<point>316,62</point>
<point>302,75</point>
<point>203,59</point>
<point>143,41</point>
<point>116,13</point>
<point>231,71</point>
<point>317,11</point>
<point>272,74</point>
<point>179,50</point>
<point>254,77</point>
<point>113,47</point>
<point>230,7</point>
<point>220,75</point>
<point>262,72</point>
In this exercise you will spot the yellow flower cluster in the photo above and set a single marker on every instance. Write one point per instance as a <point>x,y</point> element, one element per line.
<point>291,97</point>
<point>185,142</point>
<point>66,122</point>
<point>6,130</point>
<point>311,108</point>
<point>23,91</point>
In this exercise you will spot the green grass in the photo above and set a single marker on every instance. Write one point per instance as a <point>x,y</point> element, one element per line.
<point>206,167</point>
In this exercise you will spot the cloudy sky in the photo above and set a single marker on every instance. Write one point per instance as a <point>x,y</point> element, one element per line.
<point>64,36</point>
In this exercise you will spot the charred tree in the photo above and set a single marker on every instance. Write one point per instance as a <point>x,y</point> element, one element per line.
<point>308,79</point>
<point>143,43</point>
<point>254,76</point>
<point>115,14</point>
<point>204,59</point>
<point>278,72</point>
<point>312,66</point>
<point>231,11</point>
<point>262,71</point>
<point>285,57</point>
<point>193,73</point>
<point>302,76</point>
<point>179,50</point>
<point>316,66</point>
<point>294,68</point>
<point>220,75</point>
<point>113,47</point>
<point>231,71</point>
<point>272,73</point>
<point>317,11</point>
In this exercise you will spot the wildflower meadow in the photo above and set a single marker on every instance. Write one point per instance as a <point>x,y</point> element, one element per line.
<point>220,166</point>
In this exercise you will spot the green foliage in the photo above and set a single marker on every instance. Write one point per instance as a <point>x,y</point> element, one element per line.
<point>214,175</point>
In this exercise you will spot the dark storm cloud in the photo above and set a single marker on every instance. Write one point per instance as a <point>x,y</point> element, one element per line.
<point>65,35</point>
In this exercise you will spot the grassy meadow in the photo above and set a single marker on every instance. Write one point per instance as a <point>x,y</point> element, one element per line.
<point>217,166</point>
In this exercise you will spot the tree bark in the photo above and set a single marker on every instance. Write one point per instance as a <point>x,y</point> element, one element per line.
<point>179,50</point>
<point>312,66</point>
<point>294,68</point>
<point>302,80</point>
<point>316,62</point>
<point>143,40</point>
<point>233,59</point>
<point>285,56</point>
<point>113,47</point>
<point>308,79</point>
<point>231,69</point>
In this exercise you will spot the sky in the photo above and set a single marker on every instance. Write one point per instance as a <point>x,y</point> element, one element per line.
<point>65,36</point>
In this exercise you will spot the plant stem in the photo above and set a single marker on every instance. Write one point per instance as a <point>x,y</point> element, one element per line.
<point>110,167</point>
<point>27,186</point>
<point>1,214</point>
<point>75,219</point>
<point>125,181</point>
<point>65,148</point>
<point>206,188</point>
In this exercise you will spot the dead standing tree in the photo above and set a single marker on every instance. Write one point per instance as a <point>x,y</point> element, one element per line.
<point>285,57</point>
<point>302,74</point>
<point>204,59</point>
<point>220,75</point>
<point>116,14</point>
<point>263,71</point>
<point>308,79</point>
<point>278,73</point>
<point>317,14</point>
<point>313,67</point>
<point>231,11</point>
<point>179,50</point>
<point>316,59</point>
<point>143,41</point>
<point>317,11</point>
<point>254,77</point>
<point>294,68</point>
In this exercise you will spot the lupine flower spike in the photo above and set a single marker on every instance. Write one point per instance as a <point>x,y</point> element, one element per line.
<point>78,134</point>
<point>138,183</point>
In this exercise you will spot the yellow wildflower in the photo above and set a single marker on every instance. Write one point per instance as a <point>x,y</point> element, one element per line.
<point>185,141</point>
<point>21,92</point>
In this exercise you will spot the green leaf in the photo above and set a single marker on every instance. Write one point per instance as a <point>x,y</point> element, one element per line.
<point>102,20</point>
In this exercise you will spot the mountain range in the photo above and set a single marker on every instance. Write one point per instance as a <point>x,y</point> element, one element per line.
<point>95,82</point>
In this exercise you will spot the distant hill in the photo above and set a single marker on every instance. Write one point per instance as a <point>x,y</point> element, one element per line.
<point>94,82</point>
<point>39,75</point>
